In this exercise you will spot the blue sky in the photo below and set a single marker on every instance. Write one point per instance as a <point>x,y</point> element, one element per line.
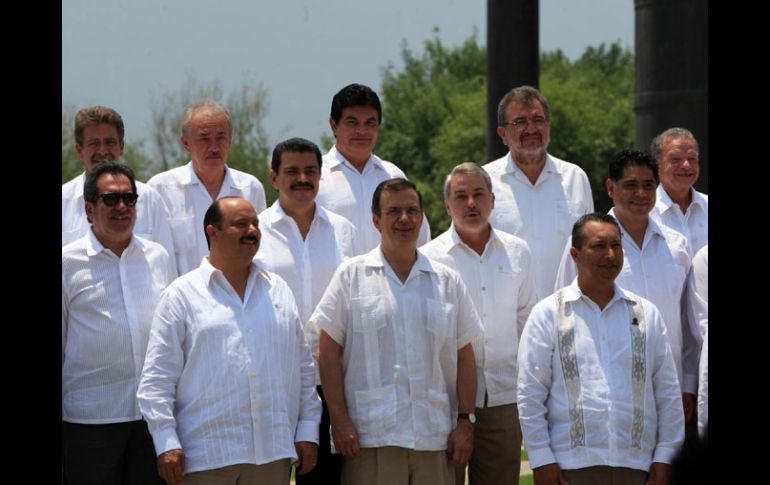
<point>121,53</point>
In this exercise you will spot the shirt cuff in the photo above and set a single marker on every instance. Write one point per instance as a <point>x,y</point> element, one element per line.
<point>664,454</point>
<point>538,458</point>
<point>307,431</point>
<point>690,384</point>
<point>165,440</point>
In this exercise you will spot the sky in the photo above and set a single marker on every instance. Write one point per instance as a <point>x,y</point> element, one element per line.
<point>125,53</point>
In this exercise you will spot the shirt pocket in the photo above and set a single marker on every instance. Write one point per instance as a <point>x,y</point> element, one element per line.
<point>375,413</point>
<point>567,212</point>
<point>506,217</point>
<point>368,313</point>
<point>439,412</point>
<point>183,233</point>
<point>440,317</point>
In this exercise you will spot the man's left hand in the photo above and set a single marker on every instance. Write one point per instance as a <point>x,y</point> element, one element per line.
<point>460,445</point>
<point>659,473</point>
<point>307,456</point>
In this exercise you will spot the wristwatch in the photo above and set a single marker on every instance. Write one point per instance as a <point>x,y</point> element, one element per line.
<point>469,416</point>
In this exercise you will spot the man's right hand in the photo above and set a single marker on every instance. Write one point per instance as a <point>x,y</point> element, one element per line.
<point>549,474</point>
<point>345,438</point>
<point>171,466</point>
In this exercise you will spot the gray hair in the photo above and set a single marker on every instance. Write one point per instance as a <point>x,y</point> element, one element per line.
<point>205,105</point>
<point>468,168</point>
<point>656,146</point>
<point>521,95</point>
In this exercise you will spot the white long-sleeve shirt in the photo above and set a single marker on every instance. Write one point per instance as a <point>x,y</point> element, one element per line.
<point>187,201</point>
<point>502,287</point>
<point>107,307</point>
<point>400,343</point>
<point>698,293</point>
<point>228,380</point>
<point>347,192</point>
<point>307,265</point>
<point>151,216</point>
<point>693,224</point>
<point>541,213</point>
<point>658,272</point>
<point>604,412</point>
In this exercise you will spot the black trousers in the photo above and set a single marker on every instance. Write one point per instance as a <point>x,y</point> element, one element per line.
<point>329,467</point>
<point>109,454</point>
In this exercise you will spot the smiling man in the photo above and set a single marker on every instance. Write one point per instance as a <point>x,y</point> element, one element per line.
<point>215,414</point>
<point>679,205</point>
<point>656,261</point>
<point>396,359</point>
<point>597,388</point>
<point>189,190</point>
<point>304,244</point>
<point>351,170</point>
<point>111,282</point>
<point>538,196</point>
<point>99,135</point>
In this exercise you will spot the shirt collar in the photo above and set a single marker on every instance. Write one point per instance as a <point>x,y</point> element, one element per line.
<point>275,213</point>
<point>190,177</point>
<point>456,241</point>
<point>549,167</point>
<point>653,229</point>
<point>665,203</point>
<point>94,247</point>
<point>573,293</point>
<point>208,271</point>
<point>376,259</point>
<point>337,158</point>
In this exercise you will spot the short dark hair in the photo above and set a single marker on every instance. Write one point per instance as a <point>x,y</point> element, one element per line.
<point>392,185</point>
<point>355,95</point>
<point>213,216</point>
<point>628,158</point>
<point>97,115</point>
<point>579,237</point>
<point>294,145</point>
<point>521,95</point>
<point>91,191</point>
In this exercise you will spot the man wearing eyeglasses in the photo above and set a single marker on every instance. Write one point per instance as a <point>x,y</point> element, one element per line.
<point>111,282</point>
<point>538,196</point>
<point>99,138</point>
<point>351,171</point>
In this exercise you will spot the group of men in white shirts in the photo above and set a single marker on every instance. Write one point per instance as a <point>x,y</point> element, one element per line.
<point>207,338</point>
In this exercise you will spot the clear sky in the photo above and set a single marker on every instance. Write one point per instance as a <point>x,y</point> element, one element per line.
<point>120,53</point>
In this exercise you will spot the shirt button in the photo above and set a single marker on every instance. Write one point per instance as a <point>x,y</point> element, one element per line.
<point>483,288</point>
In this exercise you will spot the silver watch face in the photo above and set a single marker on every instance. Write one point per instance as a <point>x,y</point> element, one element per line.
<point>472,418</point>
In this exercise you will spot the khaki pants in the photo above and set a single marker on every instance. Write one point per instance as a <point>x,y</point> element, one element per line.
<point>392,465</point>
<point>496,455</point>
<point>605,475</point>
<point>273,473</point>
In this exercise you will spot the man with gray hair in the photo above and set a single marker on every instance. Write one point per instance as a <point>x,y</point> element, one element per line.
<point>498,270</point>
<point>99,133</point>
<point>539,196</point>
<point>189,190</point>
<point>679,206</point>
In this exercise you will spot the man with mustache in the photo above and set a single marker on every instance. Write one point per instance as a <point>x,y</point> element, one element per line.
<point>396,359</point>
<point>539,196</point>
<point>228,387</point>
<point>99,138</point>
<point>498,269</point>
<point>597,389</point>
<point>351,170</point>
<point>656,261</point>
<point>111,281</point>
<point>679,206</point>
<point>189,190</point>
<point>304,244</point>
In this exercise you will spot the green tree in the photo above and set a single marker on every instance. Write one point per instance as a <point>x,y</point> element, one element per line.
<point>249,150</point>
<point>434,113</point>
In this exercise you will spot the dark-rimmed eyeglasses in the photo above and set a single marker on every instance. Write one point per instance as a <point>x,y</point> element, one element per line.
<point>112,199</point>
